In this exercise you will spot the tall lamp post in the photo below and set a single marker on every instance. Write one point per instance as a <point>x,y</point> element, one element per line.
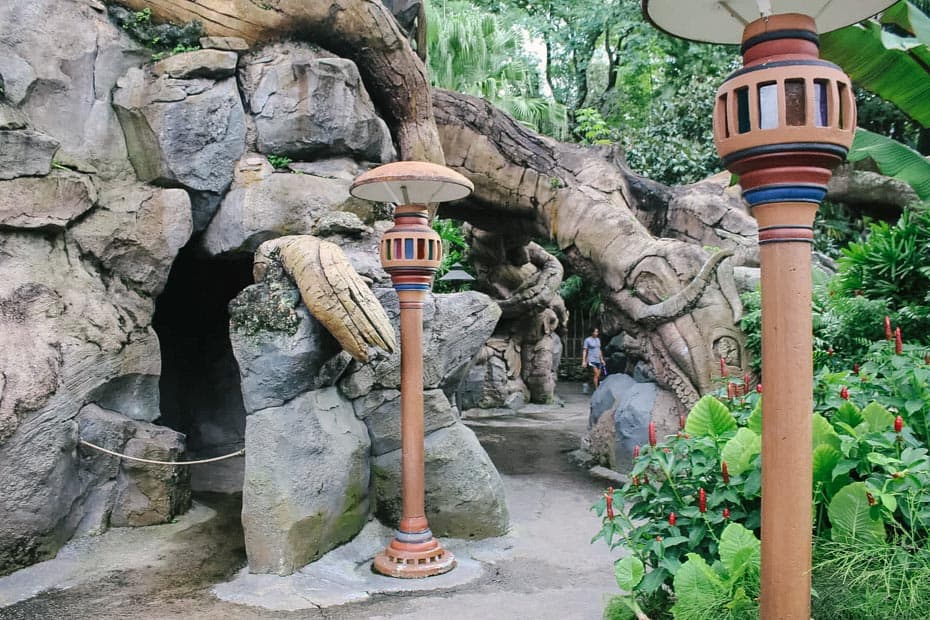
<point>782,123</point>
<point>411,252</point>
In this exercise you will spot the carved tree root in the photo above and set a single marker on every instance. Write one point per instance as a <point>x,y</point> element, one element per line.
<point>361,30</point>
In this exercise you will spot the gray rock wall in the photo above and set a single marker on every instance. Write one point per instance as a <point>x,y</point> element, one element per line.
<point>111,168</point>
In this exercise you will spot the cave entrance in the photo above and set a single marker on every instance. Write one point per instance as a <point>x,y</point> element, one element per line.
<point>199,385</point>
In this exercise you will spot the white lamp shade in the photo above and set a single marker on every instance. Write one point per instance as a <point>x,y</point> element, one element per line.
<point>411,182</point>
<point>719,21</point>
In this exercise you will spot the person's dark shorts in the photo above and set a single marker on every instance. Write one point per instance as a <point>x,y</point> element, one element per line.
<point>600,366</point>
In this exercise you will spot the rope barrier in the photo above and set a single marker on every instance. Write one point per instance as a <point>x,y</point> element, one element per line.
<point>133,458</point>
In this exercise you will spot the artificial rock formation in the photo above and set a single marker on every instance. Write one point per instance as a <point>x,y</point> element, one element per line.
<point>347,415</point>
<point>518,363</point>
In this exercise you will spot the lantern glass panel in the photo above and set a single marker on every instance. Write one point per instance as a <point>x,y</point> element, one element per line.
<point>821,118</point>
<point>408,249</point>
<point>742,110</point>
<point>722,120</point>
<point>768,106</point>
<point>845,101</point>
<point>387,249</point>
<point>795,103</point>
<point>398,248</point>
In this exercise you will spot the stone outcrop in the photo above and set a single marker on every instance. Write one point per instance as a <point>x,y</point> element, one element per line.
<point>307,103</point>
<point>271,339</point>
<point>306,484</point>
<point>621,410</point>
<point>464,492</point>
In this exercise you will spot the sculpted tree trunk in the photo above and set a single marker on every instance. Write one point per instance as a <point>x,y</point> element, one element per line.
<point>675,302</point>
<point>361,30</point>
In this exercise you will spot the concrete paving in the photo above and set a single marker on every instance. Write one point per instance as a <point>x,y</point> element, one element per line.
<point>545,568</point>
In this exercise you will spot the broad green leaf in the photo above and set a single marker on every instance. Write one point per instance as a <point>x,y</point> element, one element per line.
<point>697,587</point>
<point>739,550</point>
<point>893,158</point>
<point>893,74</point>
<point>913,406</point>
<point>629,572</point>
<point>850,515</point>
<point>754,423</point>
<point>825,459</point>
<point>878,418</point>
<point>654,580</point>
<point>823,433</point>
<point>739,451</point>
<point>848,414</point>
<point>709,418</point>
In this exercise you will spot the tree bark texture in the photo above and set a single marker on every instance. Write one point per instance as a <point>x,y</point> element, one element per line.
<point>361,30</point>
<point>645,243</point>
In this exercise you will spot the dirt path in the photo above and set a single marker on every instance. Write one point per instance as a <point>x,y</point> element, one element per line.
<point>551,572</point>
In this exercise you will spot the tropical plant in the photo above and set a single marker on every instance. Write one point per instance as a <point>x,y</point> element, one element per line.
<point>454,250</point>
<point>477,53</point>
<point>892,265</point>
<point>163,39</point>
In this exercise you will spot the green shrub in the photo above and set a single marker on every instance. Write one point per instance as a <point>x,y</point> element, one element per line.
<point>162,39</point>
<point>891,264</point>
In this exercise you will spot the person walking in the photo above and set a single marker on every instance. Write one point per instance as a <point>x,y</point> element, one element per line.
<point>591,356</point>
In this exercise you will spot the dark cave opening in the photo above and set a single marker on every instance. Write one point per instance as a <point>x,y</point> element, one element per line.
<point>199,385</point>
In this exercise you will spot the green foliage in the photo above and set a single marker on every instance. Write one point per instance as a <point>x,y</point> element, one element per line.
<point>891,265</point>
<point>835,226</point>
<point>667,478</point>
<point>163,39</point>
<point>591,128</point>
<point>479,54</point>
<point>900,382</point>
<point>889,57</point>
<point>729,588</point>
<point>893,159</point>
<point>857,580</point>
<point>454,250</point>
<point>279,162</point>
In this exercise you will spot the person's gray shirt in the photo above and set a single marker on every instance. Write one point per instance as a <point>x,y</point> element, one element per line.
<point>593,346</point>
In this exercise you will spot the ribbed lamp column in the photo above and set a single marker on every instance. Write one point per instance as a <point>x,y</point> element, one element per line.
<point>782,123</point>
<point>411,252</point>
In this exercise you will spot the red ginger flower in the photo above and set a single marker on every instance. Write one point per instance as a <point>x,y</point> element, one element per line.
<point>844,393</point>
<point>887,328</point>
<point>723,367</point>
<point>726,514</point>
<point>702,500</point>
<point>725,471</point>
<point>759,388</point>
<point>898,424</point>
<point>672,519</point>
<point>652,434</point>
<point>898,344</point>
<point>609,498</point>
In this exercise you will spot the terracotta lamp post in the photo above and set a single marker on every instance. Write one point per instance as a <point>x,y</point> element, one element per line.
<point>411,252</point>
<point>782,123</point>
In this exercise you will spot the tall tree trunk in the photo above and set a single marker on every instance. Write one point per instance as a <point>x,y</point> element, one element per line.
<point>361,30</point>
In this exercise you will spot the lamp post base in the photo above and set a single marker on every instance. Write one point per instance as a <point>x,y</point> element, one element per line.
<point>414,560</point>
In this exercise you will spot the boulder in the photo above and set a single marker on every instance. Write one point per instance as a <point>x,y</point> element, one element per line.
<point>207,63</point>
<point>307,103</point>
<point>464,492</point>
<point>233,44</point>
<point>50,202</point>
<point>629,406</point>
<point>187,132</point>
<point>380,410</point>
<point>278,365</point>
<point>306,481</point>
<point>17,75</point>
<point>137,233</point>
<point>143,494</point>
<point>24,152</point>
<point>263,205</point>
